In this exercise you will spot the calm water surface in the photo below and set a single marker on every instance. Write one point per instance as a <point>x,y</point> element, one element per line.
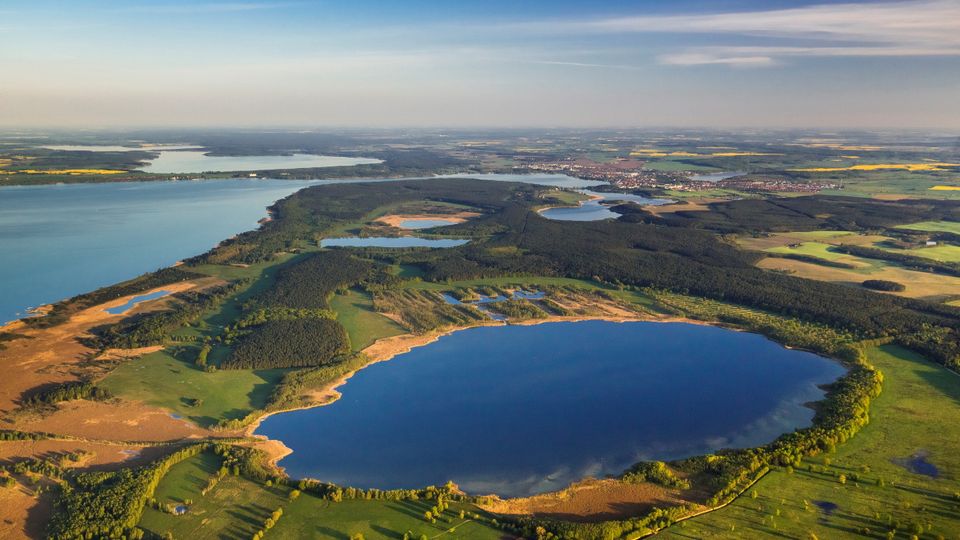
<point>596,209</point>
<point>392,242</point>
<point>197,162</point>
<point>516,410</point>
<point>59,241</point>
<point>192,159</point>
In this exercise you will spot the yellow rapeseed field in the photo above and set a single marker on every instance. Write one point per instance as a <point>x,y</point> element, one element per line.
<point>945,188</point>
<point>70,172</point>
<point>912,167</point>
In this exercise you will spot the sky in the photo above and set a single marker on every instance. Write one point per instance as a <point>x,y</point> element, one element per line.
<point>489,63</point>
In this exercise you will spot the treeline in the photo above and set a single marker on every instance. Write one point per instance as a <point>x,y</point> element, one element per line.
<point>67,391</point>
<point>289,393</point>
<point>309,283</point>
<point>110,504</point>
<point>912,262</point>
<point>289,343</point>
<point>883,285</point>
<point>518,309</point>
<point>655,472</point>
<point>811,259</point>
<point>805,214</point>
<point>61,311</point>
<point>154,328</point>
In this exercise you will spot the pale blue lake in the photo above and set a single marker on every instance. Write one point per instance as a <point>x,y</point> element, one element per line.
<point>517,410</point>
<point>393,242</point>
<point>597,208</point>
<point>59,241</point>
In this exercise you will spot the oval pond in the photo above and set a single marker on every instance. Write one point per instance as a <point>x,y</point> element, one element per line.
<point>516,410</point>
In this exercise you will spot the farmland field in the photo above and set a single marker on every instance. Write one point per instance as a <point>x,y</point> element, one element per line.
<point>866,484</point>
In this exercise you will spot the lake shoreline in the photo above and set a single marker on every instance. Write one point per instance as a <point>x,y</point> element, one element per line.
<point>385,349</point>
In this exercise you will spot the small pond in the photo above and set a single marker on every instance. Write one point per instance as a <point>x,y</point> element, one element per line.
<point>393,242</point>
<point>117,310</point>
<point>516,410</point>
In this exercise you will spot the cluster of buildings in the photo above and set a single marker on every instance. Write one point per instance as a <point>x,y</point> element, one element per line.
<point>630,174</point>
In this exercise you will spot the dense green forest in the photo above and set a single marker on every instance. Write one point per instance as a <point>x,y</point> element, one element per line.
<point>290,343</point>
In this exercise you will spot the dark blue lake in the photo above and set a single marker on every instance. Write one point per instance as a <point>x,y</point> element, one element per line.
<point>515,410</point>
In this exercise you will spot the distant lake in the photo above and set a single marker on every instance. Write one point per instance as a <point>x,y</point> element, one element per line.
<point>61,240</point>
<point>175,159</point>
<point>516,410</point>
<point>392,242</point>
<point>543,179</point>
<point>188,161</point>
<point>596,209</point>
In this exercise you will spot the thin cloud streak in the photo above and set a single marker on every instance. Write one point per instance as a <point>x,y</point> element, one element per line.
<point>914,28</point>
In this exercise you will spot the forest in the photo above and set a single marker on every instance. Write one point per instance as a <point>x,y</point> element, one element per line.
<point>304,342</point>
<point>681,253</point>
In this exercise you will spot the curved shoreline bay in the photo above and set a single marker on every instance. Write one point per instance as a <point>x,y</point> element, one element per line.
<point>518,410</point>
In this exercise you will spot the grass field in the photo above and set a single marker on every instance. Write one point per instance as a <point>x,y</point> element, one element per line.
<point>918,413</point>
<point>934,226</point>
<point>364,325</point>
<point>818,243</point>
<point>309,517</point>
<point>237,507</point>
<point>162,380</point>
<point>918,284</point>
<point>815,249</point>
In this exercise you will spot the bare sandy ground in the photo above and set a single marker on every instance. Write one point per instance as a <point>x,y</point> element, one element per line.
<point>396,219</point>
<point>53,355</point>
<point>693,205</point>
<point>590,500</point>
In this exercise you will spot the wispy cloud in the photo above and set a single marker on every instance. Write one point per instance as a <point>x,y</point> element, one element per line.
<point>913,28</point>
<point>583,64</point>
<point>216,7</point>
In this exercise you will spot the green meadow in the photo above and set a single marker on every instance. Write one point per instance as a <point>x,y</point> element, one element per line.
<point>865,488</point>
<point>237,508</point>
<point>162,380</point>
<point>934,226</point>
<point>363,324</point>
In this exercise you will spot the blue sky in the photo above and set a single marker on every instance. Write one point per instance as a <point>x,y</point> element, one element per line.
<point>726,63</point>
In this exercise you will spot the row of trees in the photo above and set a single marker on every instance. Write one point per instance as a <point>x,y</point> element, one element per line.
<point>154,328</point>
<point>67,391</point>
<point>61,311</point>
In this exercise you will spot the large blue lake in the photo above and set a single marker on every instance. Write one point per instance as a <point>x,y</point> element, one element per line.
<point>515,410</point>
<point>58,241</point>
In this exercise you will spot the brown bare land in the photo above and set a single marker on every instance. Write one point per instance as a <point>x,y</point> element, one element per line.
<point>394,220</point>
<point>98,432</point>
<point>593,500</point>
